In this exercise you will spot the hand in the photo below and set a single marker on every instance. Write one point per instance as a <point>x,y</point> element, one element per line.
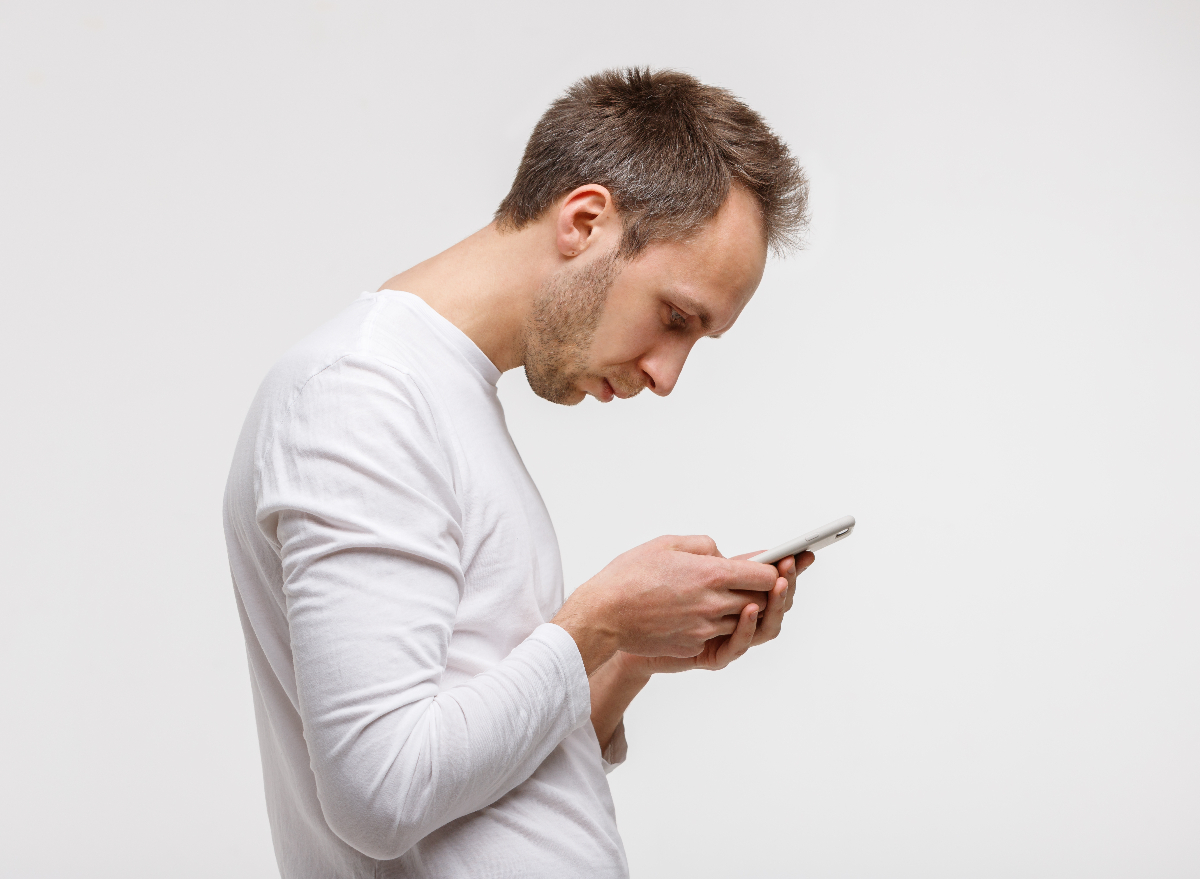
<point>668,597</point>
<point>780,599</point>
<point>752,628</point>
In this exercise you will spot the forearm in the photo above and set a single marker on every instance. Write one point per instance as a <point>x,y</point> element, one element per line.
<point>391,769</point>
<point>614,685</point>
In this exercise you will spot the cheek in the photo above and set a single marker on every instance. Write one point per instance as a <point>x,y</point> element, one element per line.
<point>616,343</point>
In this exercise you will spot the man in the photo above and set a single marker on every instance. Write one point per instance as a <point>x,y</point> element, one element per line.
<point>423,694</point>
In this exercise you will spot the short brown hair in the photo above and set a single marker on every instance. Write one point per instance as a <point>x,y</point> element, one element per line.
<point>668,148</point>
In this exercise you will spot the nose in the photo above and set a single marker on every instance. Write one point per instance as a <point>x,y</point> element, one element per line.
<point>661,368</point>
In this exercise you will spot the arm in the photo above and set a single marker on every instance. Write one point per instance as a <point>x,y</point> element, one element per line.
<point>358,499</point>
<point>614,685</point>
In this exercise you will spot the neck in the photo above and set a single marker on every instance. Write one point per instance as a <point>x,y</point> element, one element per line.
<point>485,285</point>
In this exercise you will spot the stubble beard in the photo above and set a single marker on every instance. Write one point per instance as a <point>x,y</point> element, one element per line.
<point>561,325</point>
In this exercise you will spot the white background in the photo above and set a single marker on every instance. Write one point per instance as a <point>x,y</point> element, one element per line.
<point>988,354</point>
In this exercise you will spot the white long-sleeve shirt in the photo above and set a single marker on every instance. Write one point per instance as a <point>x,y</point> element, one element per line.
<point>395,569</point>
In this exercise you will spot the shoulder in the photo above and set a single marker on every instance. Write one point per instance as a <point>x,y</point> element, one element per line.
<point>367,350</point>
<point>358,398</point>
<point>358,433</point>
<point>357,378</point>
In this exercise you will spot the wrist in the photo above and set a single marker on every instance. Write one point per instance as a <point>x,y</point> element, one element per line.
<point>596,639</point>
<point>632,667</point>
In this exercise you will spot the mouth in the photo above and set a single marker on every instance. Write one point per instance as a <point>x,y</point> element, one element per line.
<point>607,392</point>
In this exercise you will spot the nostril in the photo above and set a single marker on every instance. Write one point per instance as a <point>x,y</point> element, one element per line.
<point>650,382</point>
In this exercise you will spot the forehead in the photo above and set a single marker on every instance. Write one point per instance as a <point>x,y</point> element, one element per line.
<point>713,273</point>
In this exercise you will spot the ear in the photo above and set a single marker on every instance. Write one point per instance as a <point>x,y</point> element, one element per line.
<point>586,217</point>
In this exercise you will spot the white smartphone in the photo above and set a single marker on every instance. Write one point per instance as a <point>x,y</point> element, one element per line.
<point>836,530</point>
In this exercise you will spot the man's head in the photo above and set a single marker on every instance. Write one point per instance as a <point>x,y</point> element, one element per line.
<point>664,195</point>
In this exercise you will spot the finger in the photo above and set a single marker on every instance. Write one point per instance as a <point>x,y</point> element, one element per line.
<point>790,596</point>
<point>792,572</point>
<point>697,544</point>
<point>741,639</point>
<point>726,624</point>
<point>750,575</point>
<point>787,569</point>
<point>786,566</point>
<point>746,555</point>
<point>733,602</point>
<point>772,619</point>
<point>803,562</point>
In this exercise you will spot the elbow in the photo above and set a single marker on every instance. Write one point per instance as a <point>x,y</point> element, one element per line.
<point>380,800</point>
<point>368,826</point>
<point>371,837</point>
<point>384,788</point>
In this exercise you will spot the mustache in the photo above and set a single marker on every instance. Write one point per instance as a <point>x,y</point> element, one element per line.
<point>626,385</point>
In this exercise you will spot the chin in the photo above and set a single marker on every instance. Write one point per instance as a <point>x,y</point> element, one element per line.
<point>576,398</point>
<point>557,387</point>
<point>562,397</point>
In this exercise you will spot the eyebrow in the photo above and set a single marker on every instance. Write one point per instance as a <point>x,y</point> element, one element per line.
<point>699,310</point>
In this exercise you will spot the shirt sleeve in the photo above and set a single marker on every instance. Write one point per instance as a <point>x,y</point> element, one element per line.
<point>356,492</point>
<point>618,749</point>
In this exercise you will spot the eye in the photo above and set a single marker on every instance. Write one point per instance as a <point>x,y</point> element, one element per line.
<point>677,319</point>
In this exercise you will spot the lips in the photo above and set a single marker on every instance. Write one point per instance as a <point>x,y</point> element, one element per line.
<point>608,392</point>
